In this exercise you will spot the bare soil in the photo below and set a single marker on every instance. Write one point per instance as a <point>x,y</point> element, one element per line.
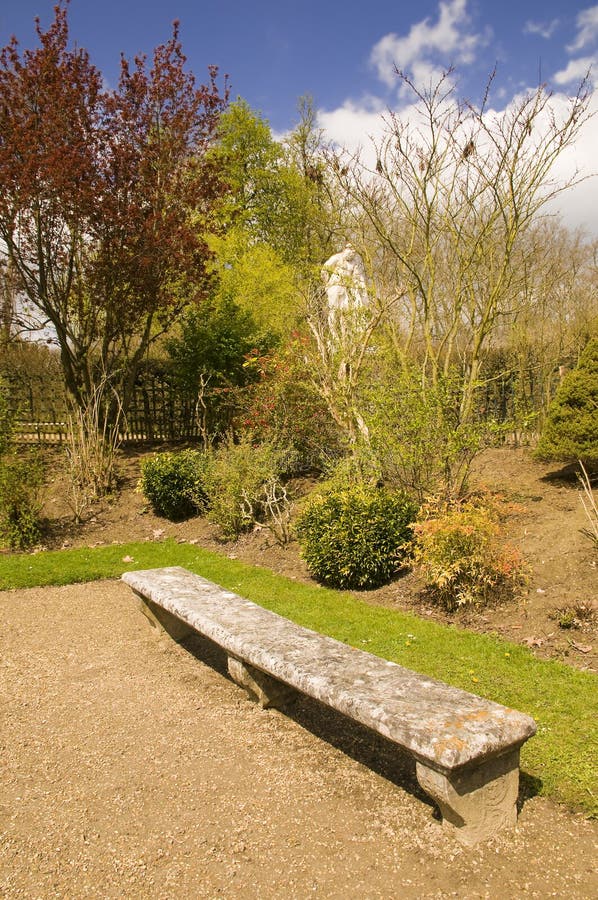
<point>134,768</point>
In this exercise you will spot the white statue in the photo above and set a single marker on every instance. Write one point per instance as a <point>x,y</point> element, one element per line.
<point>347,307</point>
<point>346,290</point>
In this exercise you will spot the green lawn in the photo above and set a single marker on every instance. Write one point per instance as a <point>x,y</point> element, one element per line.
<point>562,700</point>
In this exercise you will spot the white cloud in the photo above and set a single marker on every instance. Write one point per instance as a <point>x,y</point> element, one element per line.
<point>353,125</point>
<point>428,46</point>
<point>587,25</point>
<point>577,206</point>
<point>575,70</point>
<point>544,29</point>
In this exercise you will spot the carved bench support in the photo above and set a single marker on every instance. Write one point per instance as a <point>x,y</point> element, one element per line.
<point>477,802</point>
<point>268,691</point>
<point>165,622</point>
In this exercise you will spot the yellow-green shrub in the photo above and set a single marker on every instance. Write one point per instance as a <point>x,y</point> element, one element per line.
<point>462,552</point>
<point>351,536</point>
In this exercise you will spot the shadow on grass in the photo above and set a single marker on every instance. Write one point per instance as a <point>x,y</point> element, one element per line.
<point>529,786</point>
<point>356,741</point>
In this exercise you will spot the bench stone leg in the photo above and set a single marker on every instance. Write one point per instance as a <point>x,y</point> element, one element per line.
<point>261,687</point>
<point>164,621</point>
<point>477,803</point>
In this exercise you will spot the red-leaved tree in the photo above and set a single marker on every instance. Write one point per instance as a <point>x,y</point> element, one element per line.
<point>103,198</point>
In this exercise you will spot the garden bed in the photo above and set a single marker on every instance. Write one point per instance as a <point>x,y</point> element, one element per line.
<point>556,614</point>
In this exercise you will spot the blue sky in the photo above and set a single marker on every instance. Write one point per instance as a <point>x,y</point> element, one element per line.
<point>343,53</point>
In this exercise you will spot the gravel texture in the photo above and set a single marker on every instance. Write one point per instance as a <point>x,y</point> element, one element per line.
<point>132,767</point>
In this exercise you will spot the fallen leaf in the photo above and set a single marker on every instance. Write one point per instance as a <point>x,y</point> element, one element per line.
<point>128,559</point>
<point>583,648</point>
<point>533,641</point>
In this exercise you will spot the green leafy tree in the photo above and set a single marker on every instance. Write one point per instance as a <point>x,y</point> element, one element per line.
<point>571,429</point>
<point>255,278</point>
<point>269,229</point>
<point>213,345</point>
<point>277,191</point>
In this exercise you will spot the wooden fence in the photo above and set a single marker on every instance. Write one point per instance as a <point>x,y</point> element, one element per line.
<point>158,411</point>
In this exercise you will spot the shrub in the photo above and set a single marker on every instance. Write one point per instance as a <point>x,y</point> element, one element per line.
<point>461,551</point>
<point>6,418</point>
<point>243,486</point>
<point>282,406</point>
<point>571,429</point>
<point>418,435</point>
<point>91,446</point>
<point>20,501</point>
<point>352,536</point>
<point>174,483</point>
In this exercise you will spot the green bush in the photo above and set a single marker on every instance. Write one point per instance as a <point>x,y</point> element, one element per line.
<point>462,552</point>
<point>352,537</point>
<point>20,501</point>
<point>174,483</point>
<point>214,342</point>
<point>209,359</point>
<point>242,481</point>
<point>571,429</point>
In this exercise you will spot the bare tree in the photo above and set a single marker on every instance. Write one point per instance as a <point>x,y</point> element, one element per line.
<point>556,315</point>
<point>442,215</point>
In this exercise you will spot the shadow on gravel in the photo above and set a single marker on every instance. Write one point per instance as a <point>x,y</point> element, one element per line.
<point>359,743</point>
<point>529,786</point>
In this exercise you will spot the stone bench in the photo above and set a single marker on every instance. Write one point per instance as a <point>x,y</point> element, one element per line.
<point>466,748</point>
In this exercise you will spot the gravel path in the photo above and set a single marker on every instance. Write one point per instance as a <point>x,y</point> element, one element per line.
<point>134,768</point>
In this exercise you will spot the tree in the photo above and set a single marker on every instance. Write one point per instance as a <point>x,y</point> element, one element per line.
<point>101,196</point>
<point>555,318</point>
<point>7,303</point>
<point>49,119</point>
<point>441,218</point>
<point>277,191</point>
<point>272,226</point>
<point>571,430</point>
